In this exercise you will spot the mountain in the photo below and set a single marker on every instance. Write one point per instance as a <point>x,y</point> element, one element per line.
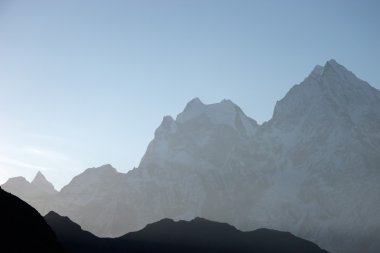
<point>210,236</point>
<point>38,193</point>
<point>43,184</point>
<point>23,229</point>
<point>312,169</point>
<point>198,235</point>
<point>99,194</point>
<point>163,187</point>
<point>71,236</point>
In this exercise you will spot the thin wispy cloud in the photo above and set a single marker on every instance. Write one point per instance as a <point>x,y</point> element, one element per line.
<point>26,161</point>
<point>48,154</point>
<point>10,167</point>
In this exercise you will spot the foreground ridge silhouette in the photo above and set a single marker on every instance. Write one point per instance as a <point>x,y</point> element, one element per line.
<point>23,229</point>
<point>198,235</point>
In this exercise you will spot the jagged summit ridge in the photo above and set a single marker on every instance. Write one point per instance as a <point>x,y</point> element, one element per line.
<point>103,168</point>
<point>333,67</point>
<point>223,112</point>
<point>307,171</point>
<point>328,92</point>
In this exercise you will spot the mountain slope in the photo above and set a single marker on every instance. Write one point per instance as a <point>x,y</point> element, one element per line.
<point>23,229</point>
<point>73,238</point>
<point>38,193</point>
<point>312,170</point>
<point>198,235</point>
<point>326,135</point>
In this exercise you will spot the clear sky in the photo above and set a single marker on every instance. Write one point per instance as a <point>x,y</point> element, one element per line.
<point>84,83</point>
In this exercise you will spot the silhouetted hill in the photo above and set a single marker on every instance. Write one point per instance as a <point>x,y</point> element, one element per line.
<point>23,229</point>
<point>198,235</point>
<point>73,238</point>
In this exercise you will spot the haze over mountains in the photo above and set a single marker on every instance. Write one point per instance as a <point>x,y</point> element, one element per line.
<point>312,170</point>
<point>23,229</point>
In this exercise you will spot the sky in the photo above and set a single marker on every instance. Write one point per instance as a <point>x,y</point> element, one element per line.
<point>86,83</point>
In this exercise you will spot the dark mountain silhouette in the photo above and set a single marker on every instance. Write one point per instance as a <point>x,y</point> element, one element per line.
<point>198,235</point>
<point>23,229</point>
<point>74,239</point>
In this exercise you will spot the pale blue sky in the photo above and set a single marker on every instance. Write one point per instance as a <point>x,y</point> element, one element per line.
<point>83,83</point>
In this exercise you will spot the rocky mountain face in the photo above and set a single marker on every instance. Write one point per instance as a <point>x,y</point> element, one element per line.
<point>312,170</point>
<point>197,235</point>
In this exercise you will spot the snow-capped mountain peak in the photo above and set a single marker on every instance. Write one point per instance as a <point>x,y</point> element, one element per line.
<point>333,67</point>
<point>328,92</point>
<point>218,113</point>
<point>312,170</point>
<point>194,103</point>
<point>223,113</point>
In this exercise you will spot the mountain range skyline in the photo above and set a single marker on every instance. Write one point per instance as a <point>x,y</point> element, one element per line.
<point>122,170</point>
<point>311,170</point>
<point>211,126</point>
<point>85,84</point>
